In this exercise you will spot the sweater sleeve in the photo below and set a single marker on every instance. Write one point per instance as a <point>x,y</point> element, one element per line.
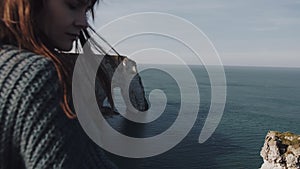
<point>39,133</point>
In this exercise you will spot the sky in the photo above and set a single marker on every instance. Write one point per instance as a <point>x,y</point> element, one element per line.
<point>243,32</point>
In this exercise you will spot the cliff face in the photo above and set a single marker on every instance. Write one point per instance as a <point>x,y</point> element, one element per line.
<point>281,151</point>
<point>127,69</point>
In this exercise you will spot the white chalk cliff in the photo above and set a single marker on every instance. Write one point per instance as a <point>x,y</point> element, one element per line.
<point>281,151</point>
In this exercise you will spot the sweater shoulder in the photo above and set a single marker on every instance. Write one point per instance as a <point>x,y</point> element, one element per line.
<point>24,71</point>
<point>13,58</point>
<point>28,85</point>
<point>19,68</point>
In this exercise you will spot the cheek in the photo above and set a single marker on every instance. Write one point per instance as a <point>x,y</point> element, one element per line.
<point>58,15</point>
<point>56,24</point>
<point>62,17</point>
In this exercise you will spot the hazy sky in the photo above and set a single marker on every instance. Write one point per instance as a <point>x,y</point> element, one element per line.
<point>244,32</point>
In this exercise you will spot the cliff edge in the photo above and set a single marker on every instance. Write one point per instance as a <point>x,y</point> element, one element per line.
<point>281,151</point>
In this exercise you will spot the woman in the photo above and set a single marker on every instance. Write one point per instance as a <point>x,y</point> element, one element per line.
<point>38,129</point>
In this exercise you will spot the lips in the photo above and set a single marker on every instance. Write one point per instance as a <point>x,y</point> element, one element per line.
<point>73,35</point>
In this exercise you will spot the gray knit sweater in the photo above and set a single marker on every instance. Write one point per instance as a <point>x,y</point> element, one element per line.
<point>34,131</point>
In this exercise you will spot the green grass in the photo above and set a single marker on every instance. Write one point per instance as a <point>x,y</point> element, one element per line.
<point>289,138</point>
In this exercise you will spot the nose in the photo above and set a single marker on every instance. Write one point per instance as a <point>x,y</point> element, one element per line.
<point>81,21</point>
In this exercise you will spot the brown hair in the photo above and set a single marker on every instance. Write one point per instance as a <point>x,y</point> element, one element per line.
<point>18,27</point>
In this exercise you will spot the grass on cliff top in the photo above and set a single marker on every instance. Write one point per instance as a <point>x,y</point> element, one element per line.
<point>289,138</point>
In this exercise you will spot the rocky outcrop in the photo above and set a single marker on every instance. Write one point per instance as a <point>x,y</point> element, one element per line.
<point>281,151</point>
<point>127,78</point>
<point>122,72</point>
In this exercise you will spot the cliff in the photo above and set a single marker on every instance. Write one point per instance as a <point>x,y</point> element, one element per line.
<point>281,151</point>
<point>127,75</point>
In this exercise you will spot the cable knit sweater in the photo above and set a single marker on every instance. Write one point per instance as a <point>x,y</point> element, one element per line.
<point>34,131</point>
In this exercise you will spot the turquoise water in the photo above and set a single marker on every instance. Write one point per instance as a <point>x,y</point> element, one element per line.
<point>258,100</point>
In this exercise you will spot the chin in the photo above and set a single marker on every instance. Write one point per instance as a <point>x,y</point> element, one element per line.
<point>65,47</point>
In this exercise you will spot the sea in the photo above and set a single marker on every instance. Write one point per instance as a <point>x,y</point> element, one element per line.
<point>258,99</point>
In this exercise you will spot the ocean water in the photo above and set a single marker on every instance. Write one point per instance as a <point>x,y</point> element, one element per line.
<point>258,100</point>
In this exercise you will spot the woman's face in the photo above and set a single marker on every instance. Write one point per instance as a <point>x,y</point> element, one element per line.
<point>61,21</point>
